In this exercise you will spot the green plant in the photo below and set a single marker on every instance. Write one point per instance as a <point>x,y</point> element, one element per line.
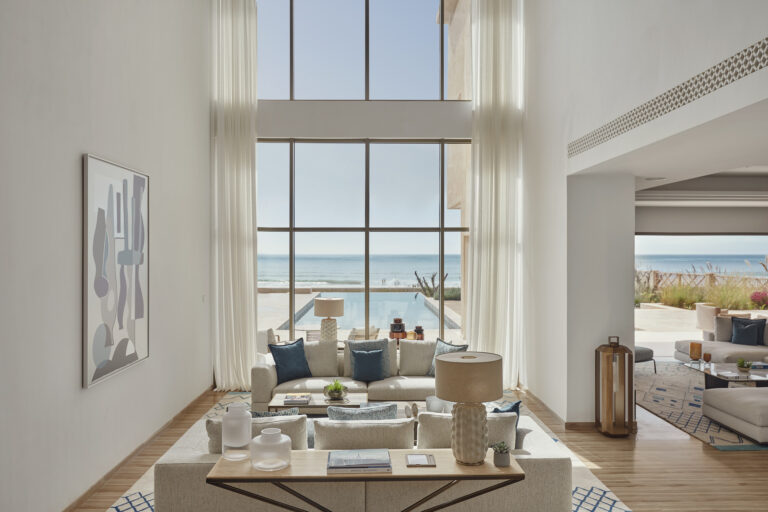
<point>682,295</point>
<point>744,364</point>
<point>450,294</point>
<point>336,387</point>
<point>500,447</point>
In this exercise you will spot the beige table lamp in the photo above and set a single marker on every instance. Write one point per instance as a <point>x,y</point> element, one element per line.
<point>329,308</point>
<point>469,379</point>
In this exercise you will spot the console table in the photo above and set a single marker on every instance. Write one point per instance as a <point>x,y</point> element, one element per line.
<point>310,466</point>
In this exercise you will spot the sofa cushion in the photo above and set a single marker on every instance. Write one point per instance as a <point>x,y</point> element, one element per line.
<point>743,322</point>
<point>290,361</point>
<point>765,331</point>
<point>745,334</point>
<point>435,429</point>
<point>443,347</point>
<point>416,356</point>
<point>747,404</point>
<point>316,385</point>
<point>353,435</point>
<point>293,411</point>
<point>390,354</point>
<point>402,387</point>
<point>368,365</point>
<point>364,412</point>
<point>321,357</point>
<point>294,427</point>
<point>724,352</point>
<point>723,328</point>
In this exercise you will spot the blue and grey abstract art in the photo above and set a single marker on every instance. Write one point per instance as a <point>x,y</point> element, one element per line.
<point>116,270</point>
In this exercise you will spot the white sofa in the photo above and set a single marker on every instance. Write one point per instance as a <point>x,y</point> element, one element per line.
<point>180,483</point>
<point>716,331</point>
<point>408,380</point>
<point>743,410</point>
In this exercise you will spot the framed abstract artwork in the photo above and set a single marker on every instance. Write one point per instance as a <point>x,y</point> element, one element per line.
<point>115,268</point>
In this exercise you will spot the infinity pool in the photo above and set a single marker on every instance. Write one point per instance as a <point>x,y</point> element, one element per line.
<point>385,306</point>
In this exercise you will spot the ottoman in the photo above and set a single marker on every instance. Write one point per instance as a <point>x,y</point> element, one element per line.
<point>744,410</point>
<point>643,355</point>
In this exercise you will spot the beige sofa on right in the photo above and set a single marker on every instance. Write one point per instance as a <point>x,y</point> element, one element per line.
<point>716,328</point>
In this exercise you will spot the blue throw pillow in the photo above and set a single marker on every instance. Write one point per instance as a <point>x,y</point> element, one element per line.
<point>370,412</point>
<point>510,407</point>
<point>293,411</point>
<point>382,344</point>
<point>290,361</point>
<point>367,365</point>
<point>760,323</point>
<point>745,334</point>
<point>444,348</point>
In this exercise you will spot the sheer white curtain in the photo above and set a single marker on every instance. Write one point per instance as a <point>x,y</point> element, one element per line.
<point>494,322</point>
<point>234,193</point>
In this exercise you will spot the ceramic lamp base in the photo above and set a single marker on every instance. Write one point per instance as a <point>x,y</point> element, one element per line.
<point>469,433</point>
<point>328,331</point>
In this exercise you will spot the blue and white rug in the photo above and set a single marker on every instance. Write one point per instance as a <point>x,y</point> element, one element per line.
<point>589,493</point>
<point>675,394</point>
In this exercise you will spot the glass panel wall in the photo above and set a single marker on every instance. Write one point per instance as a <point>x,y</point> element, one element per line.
<point>273,299</point>
<point>274,49</point>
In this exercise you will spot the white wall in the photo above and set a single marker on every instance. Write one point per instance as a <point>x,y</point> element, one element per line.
<point>127,80</point>
<point>588,62</point>
<point>601,262</point>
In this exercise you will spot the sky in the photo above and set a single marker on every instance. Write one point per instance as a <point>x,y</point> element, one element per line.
<point>704,245</point>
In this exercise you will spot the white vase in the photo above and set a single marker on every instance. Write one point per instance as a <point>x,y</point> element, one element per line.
<point>271,450</point>
<point>236,432</point>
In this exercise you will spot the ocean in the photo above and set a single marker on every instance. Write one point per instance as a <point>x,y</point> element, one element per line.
<point>745,264</point>
<point>338,270</point>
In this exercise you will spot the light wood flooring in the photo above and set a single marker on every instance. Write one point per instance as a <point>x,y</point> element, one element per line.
<point>660,469</point>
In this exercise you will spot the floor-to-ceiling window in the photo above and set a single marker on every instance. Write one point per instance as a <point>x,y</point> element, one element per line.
<point>374,222</point>
<point>378,223</point>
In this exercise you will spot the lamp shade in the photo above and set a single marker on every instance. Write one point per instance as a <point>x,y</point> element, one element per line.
<point>329,307</point>
<point>468,377</point>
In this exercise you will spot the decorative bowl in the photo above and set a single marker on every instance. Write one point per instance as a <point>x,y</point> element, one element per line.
<point>335,395</point>
<point>743,369</point>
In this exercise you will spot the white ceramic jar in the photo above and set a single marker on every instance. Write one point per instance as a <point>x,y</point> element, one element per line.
<point>271,450</point>
<point>236,432</point>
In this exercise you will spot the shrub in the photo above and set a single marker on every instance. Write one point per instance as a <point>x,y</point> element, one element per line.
<point>759,299</point>
<point>682,295</point>
<point>643,290</point>
<point>450,294</point>
<point>729,294</point>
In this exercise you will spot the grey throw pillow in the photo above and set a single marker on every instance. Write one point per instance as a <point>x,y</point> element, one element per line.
<point>444,348</point>
<point>723,328</point>
<point>369,412</point>
<point>293,411</point>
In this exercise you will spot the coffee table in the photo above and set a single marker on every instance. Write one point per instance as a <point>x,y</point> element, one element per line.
<point>318,404</point>
<point>718,375</point>
<point>310,466</point>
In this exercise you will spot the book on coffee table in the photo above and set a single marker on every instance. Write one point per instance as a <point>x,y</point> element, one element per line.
<point>296,399</point>
<point>359,461</point>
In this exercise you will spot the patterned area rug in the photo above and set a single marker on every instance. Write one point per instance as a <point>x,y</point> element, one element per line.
<point>674,394</point>
<point>589,493</point>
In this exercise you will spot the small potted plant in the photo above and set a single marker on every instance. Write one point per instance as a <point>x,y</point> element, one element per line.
<point>500,454</point>
<point>335,391</point>
<point>743,366</point>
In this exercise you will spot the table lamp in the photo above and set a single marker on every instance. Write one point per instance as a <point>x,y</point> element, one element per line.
<point>469,379</point>
<point>328,308</point>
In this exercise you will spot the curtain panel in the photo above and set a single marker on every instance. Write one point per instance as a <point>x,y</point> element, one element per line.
<point>495,316</point>
<point>234,193</point>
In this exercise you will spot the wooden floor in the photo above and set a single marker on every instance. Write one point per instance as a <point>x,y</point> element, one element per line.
<point>660,469</point>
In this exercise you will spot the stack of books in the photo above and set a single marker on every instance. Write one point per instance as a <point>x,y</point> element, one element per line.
<point>296,399</point>
<point>359,461</point>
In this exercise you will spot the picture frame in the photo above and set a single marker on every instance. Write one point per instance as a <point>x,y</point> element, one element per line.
<point>116,267</point>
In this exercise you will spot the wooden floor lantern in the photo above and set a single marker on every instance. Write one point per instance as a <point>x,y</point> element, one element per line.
<point>614,404</point>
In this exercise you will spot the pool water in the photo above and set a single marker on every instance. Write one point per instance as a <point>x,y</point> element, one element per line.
<point>385,307</point>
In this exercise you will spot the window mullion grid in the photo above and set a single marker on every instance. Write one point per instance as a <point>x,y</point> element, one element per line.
<point>292,240</point>
<point>367,277</point>
<point>442,235</point>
